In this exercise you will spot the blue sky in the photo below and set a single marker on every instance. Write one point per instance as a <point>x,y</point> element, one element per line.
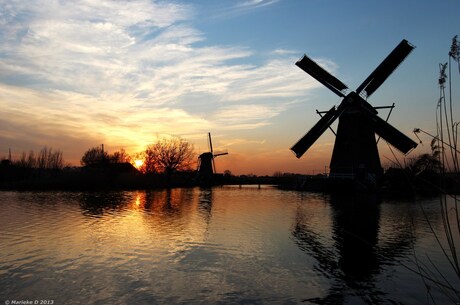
<point>75,74</point>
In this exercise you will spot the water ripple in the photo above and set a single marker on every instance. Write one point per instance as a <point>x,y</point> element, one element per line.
<point>200,246</point>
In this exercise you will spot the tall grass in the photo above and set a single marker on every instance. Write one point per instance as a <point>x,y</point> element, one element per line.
<point>447,143</point>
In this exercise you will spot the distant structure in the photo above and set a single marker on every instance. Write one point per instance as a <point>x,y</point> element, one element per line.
<point>206,165</point>
<point>355,155</point>
<point>7,162</point>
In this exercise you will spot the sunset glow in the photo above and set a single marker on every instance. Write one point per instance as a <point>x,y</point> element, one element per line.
<point>138,163</point>
<point>75,74</point>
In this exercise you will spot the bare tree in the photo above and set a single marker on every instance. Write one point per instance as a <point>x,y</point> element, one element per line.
<point>148,162</point>
<point>120,156</point>
<point>45,159</point>
<point>169,155</point>
<point>26,161</point>
<point>94,156</point>
<point>49,159</point>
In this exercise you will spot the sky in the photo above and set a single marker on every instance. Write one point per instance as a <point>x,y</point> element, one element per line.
<point>81,73</point>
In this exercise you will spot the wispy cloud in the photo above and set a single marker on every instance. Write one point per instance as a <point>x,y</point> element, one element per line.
<point>225,10</point>
<point>56,117</point>
<point>245,116</point>
<point>285,52</point>
<point>124,71</point>
<point>255,3</point>
<point>77,44</point>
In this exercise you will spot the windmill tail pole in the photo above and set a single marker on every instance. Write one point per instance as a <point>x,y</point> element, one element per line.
<point>418,130</point>
<point>330,128</point>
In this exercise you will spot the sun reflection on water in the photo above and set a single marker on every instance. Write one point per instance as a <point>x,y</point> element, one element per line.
<point>137,202</point>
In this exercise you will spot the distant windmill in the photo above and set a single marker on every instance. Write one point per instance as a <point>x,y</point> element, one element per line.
<point>355,148</point>
<point>206,163</point>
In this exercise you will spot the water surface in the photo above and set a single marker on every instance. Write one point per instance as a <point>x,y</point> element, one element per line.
<point>224,245</point>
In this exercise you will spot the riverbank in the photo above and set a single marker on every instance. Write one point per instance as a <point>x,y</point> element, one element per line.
<point>395,182</point>
<point>124,176</point>
<point>119,177</point>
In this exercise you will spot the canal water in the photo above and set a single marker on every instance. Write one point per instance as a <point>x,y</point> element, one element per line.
<point>225,245</point>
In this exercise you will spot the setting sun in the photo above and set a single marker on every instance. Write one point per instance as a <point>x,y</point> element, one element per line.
<point>138,163</point>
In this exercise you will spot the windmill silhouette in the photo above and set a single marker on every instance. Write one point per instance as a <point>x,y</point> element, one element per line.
<point>355,153</point>
<point>206,163</point>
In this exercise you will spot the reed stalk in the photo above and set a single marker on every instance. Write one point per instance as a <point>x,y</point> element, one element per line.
<point>447,138</point>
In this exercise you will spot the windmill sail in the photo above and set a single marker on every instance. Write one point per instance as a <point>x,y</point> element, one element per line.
<point>321,75</point>
<point>388,65</point>
<point>212,153</point>
<point>314,133</point>
<point>393,136</point>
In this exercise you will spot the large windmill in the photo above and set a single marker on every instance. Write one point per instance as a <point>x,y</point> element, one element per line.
<point>206,163</point>
<point>355,151</point>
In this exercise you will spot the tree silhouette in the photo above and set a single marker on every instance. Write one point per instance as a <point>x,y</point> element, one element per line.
<point>148,162</point>
<point>46,158</point>
<point>94,156</point>
<point>169,155</point>
<point>49,159</point>
<point>427,163</point>
<point>120,156</point>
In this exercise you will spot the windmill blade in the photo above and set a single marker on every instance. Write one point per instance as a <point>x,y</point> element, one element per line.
<point>388,65</point>
<point>214,162</point>
<point>210,142</point>
<point>212,153</point>
<point>392,135</point>
<point>315,132</point>
<point>321,75</point>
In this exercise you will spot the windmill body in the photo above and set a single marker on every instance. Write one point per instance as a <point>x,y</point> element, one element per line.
<point>355,153</point>
<point>355,150</point>
<point>205,168</point>
<point>206,164</point>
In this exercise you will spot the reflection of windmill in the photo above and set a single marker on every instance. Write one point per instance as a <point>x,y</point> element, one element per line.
<point>206,163</point>
<point>355,151</point>
<point>357,256</point>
